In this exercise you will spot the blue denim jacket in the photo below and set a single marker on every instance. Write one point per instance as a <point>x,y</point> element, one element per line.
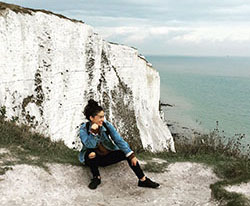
<point>90,141</point>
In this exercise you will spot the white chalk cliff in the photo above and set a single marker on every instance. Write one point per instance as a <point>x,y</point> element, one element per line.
<point>50,66</point>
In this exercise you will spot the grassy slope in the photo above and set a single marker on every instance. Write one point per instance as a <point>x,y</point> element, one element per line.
<point>19,9</point>
<point>34,149</point>
<point>31,148</point>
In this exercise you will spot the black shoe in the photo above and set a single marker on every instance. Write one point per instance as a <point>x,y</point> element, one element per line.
<point>94,183</point>
<point>148,183</point>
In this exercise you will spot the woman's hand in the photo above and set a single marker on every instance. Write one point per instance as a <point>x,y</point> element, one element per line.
<point>134,161</point>
<point>94,128</point>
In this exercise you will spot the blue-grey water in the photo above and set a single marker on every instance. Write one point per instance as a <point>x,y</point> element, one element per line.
<point>204,90</point>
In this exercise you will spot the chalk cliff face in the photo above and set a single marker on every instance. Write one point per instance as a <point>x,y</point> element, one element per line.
<point>50,66</point>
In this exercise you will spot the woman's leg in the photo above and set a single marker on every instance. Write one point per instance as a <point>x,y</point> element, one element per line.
<point>92,160</point>
<point>137,169</point>
<point>117,156</point>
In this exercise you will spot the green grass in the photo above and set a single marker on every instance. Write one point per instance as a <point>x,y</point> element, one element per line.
<point>155,167</point>
<point>32,148</point>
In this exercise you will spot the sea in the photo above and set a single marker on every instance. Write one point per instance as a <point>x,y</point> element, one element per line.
<point>206,92</point>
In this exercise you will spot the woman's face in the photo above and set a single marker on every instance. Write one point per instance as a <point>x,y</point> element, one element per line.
<point>98,119</point>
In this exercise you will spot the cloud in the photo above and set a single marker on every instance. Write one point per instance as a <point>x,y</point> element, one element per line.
<point>213,33</point>
<point>189,40</point>
<point>240,9</point>
<point>162,26</point>
<point>216,34</point>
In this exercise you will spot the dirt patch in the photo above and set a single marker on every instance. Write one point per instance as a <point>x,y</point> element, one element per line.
<point>4,151</point>
<point>5,156</point>
<point>182,184</point>
<point>243,188</point>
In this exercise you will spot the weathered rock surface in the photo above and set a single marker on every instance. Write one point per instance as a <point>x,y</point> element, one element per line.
<point>50,66</point>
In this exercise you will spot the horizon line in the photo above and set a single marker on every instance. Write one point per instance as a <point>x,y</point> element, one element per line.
<point>183,55</point>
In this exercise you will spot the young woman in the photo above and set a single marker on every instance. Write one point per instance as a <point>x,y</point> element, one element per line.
<point>103,146</point>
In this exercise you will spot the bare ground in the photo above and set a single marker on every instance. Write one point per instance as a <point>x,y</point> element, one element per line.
<point>243,188</point>
<point>181,184</point>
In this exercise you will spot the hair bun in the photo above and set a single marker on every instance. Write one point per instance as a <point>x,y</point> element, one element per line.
<point>92,102</point>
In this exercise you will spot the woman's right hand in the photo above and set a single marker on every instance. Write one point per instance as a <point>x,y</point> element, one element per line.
<point>94,128</point>
<point>134,161</point>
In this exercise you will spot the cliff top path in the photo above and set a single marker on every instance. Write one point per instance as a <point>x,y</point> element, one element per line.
<point>181,184</point>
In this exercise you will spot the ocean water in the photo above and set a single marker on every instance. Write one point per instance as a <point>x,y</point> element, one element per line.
<point>204,90</point>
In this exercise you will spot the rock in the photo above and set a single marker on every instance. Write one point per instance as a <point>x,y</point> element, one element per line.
<point>49,74</point>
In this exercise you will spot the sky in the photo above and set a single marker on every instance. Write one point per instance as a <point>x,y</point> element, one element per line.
<point>163,27</point>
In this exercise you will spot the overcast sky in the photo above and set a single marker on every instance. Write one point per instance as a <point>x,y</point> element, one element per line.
<point>163,27</point>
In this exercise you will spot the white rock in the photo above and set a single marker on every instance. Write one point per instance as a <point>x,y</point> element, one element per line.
<point>51,66</point>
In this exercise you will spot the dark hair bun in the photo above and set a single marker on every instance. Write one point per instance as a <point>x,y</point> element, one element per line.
<point>92,102</point>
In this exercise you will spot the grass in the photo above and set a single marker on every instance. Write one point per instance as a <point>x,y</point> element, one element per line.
<point>212,149</point>
<point>222,154</point>
<point>23,10</point>
<point>155,167</point>
<point>32,148</point>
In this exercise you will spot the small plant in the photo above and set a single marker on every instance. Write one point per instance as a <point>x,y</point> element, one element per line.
<point>155,167</point>
<point>4,169</point>
<point>14,119</point>
<point>2,112</point>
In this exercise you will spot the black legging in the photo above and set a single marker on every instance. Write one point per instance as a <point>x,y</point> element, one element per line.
<point>109,159</point>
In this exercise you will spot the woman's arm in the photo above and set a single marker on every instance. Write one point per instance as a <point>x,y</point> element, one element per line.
<point>119,141</point>
<point>88,139</point>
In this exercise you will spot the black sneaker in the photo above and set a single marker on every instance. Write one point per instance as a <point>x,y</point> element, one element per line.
<point>94,183</point>
<point>148,183</point>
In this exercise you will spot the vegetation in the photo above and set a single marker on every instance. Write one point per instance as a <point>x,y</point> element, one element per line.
<point>213,149</point>
<point>222,154</point>
<point>28,147</point>
<point>23,10</point>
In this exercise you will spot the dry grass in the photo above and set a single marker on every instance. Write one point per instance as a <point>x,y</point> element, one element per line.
<point>23,10</point>
<point>223,154</point>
